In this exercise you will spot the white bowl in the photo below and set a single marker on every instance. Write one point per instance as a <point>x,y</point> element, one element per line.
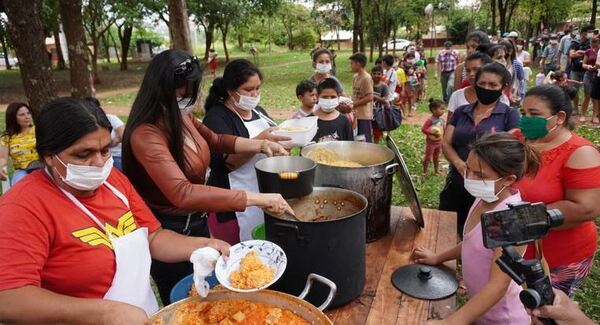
<point>271,254</point>
<point>299,138</point>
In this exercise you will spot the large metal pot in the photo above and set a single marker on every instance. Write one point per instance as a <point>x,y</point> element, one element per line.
<point>332,245</point>
<point>290,176</point>
<point>299,306</point>
<point>374,180</point>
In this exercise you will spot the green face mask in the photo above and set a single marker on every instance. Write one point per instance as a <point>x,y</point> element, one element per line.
<point>534,127</point>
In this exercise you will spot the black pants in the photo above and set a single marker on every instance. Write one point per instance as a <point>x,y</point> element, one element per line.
<point>166,275</point>
<point>454,197</point>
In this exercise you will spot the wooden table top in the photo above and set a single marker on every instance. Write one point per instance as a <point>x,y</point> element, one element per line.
<point>381,302</point>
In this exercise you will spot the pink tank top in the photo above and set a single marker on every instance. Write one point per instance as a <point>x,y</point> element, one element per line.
<point>476,265</point>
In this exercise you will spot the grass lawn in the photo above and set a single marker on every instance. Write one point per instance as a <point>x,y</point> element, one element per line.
<point>282,71</point>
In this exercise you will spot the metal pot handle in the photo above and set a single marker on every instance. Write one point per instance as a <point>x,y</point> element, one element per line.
<point>292,228</point>
<point>315,277</point>
<point>391,168</point>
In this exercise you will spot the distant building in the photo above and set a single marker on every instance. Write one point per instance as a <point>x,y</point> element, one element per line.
<point>331,37</point>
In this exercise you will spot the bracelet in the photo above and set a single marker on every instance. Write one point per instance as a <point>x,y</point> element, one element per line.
<point>263,146</point>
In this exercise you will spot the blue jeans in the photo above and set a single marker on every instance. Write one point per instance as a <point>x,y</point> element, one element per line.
<point>365,127</point>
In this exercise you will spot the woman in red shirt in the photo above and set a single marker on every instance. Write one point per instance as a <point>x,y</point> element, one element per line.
<point>76,239</point>
<point>568,180</point>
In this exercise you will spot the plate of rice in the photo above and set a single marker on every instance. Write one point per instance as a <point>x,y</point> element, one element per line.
<point>252,265</point>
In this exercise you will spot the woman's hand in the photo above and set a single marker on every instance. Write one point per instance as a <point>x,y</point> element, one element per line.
<point>273,203</point>
<point>267,134</point>
<point>3,173</point>
<point>221,246</point>
<point>423,255</point>
<point>118,313</point>
<point>270,148</point>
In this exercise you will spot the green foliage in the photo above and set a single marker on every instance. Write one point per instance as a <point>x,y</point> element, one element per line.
<point>304,39</point>
<point>147,34</point>
<point>458,24</point>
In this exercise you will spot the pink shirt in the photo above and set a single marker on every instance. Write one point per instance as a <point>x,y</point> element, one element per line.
<point>477,263</point>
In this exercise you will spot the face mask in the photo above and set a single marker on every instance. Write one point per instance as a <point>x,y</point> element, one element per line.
<point>184,104</point>
<point>484,190</point>
<point>412,61</point>
<point>534,127</point>
<point>323,67</point>
<point>519,47</point>
<point>487,96</point>
<point>328,105</point>
<point>590,35</point>
<point>86,178</point>
<point>248,103</point>
<point>395,65</point>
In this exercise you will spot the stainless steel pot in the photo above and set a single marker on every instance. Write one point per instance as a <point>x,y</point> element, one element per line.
<point>373,180</point>
<point>299,306</point>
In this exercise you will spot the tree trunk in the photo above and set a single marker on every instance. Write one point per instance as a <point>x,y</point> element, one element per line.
<point>94,56</point>
<point>27,34</point>
<point>209,32</point>
<point>361,26</point>
<point>5,51</point>
<point>356,25</point>
<point>371,46</point>
<point>493,13</point>
<point>594,10</point>
<point>224,30</point>
<point>106,48</point>
<point>125,32</point>
<point>240,39</point>
<point>59,53</point>
<point>81,79</point>
<point>179,27</point>
<point>112,38</point>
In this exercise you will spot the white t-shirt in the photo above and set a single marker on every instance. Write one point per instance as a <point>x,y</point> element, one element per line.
<point>390,74</point>
<point>523,56</point>
<point>458,99</point>
<point>116,123</point>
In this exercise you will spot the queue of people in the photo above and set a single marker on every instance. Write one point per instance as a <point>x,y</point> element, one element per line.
<point>188,184</point>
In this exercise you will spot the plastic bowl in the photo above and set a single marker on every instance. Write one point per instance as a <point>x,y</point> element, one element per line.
<point>181,290</point>
<point>259,232</point>
<point>299,138</point>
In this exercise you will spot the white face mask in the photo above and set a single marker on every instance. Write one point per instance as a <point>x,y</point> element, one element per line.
<point>248,103</point>
<point>184,104</point>
<point>395,65</point>
<point>590,35</point>
<point>328,105</point>
<point>323,68</point>
<point>86,178</point>
<point>519,47</point>
<point>483,189</point>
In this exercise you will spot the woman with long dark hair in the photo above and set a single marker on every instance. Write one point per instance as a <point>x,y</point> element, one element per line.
<point>76,240</point>
<point>232,107</point>
<point>166,154</point>
<point>18,142</point>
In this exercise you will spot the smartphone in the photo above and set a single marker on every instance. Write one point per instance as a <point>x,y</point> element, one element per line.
<point>520,224</point>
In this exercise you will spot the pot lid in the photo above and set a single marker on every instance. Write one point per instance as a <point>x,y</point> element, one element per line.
<point>406,184</point>
<point>424,282</point>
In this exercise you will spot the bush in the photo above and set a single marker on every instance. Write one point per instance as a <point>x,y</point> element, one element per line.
<point>304,39</point>
<point>458,24</point>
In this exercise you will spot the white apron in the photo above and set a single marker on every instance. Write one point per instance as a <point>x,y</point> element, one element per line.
<point>244,178</point>
<point>131,283</point>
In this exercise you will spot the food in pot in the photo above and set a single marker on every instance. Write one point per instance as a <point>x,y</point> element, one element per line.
<point>288,175</point>
<point>252,274</point>
<point>329,157</point>
<point>294,128</point>
<point>232,311</point>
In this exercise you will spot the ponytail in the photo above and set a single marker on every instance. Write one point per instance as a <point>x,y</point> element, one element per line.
<point>216,95</point>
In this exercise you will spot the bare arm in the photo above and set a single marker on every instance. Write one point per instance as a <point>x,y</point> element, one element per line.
<point>425,256</point>
<point>449,151</point>
<point>235,161</point>
<point>170,247</point>
<point>363,100</point>
<point>3,162</point>
<point>580,205</point>
<point>486,298</point>
<point>30,304</point>
<point>458,75</point>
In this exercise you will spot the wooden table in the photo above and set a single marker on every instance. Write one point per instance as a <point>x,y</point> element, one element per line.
<point>380,302</point>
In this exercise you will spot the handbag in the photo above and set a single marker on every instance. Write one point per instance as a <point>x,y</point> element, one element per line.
<point>387,118</point>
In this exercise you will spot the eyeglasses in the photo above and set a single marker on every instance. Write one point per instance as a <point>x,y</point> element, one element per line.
<point>186,66</point>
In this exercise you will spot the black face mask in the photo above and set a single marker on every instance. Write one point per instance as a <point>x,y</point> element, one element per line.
<point>487,96</point>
